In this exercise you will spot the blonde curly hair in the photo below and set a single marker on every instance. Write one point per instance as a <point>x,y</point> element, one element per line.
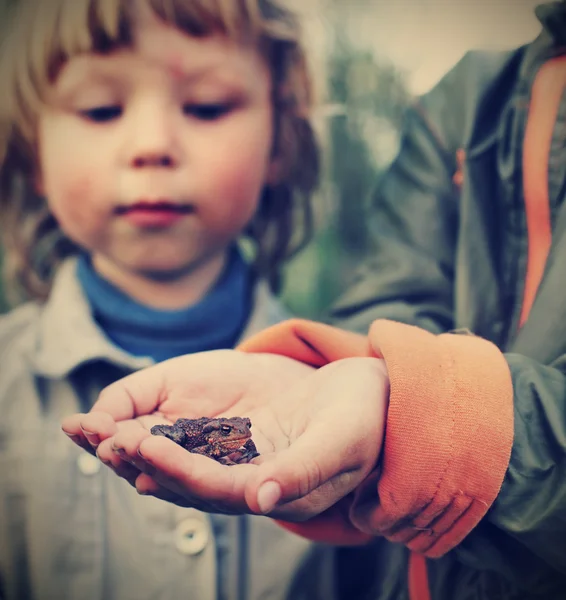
<point>41,36</point>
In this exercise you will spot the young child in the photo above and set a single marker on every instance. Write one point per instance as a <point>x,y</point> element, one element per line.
<point>139,141</point>
<point>445,451</point>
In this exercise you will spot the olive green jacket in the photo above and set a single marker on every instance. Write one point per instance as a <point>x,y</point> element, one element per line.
<point>457,241</point>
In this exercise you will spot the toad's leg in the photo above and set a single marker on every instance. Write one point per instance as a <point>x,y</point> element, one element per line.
<point>171,432</point>
<point>217,452</point>
<point>245,453</point>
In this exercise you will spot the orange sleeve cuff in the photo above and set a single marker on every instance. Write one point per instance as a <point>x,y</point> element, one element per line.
<point>448,436</point>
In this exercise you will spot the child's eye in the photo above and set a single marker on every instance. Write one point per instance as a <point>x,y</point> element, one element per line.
<point>206,112</point>
<point>102,114</point>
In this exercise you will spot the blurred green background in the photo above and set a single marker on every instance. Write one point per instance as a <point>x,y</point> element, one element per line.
<point>359,123</point>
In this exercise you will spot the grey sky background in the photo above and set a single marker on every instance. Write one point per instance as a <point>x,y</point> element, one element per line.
<point>423,38</point>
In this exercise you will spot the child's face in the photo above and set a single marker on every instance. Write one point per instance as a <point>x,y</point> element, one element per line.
<point>154,158</point>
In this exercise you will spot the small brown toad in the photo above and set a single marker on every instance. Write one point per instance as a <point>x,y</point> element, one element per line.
<point>227,441</point>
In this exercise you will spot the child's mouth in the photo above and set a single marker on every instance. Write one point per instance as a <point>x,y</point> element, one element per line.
<point>159,214</point>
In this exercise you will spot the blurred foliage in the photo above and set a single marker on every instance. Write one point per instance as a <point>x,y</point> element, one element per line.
<point>366,99</point>
<point>364,138</point>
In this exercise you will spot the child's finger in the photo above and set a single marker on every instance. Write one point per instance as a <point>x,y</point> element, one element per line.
<point>122,446</point>
<point>137,394</point>
<point>127,440</point>
<point>111,459</point>
<point>148,486</point>
<point>71,426</point>
<point>97,426</point>
<point>126,471</point>
<point>105,453</point>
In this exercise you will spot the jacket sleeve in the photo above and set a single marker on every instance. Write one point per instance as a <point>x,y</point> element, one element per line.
<point>530,510</point>
<point>414,215</point>
<point>475,443</point>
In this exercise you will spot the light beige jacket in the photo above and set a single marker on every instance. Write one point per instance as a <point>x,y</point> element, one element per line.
<point>72,530</point>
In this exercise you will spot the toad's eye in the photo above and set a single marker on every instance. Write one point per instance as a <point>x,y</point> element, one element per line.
<point>225,429</point>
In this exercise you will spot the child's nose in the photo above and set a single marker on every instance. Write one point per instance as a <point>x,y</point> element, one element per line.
<point>153,139</point>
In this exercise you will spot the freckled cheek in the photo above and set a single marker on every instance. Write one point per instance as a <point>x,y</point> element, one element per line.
<point>75,202</point>
<point>235,198</point>
<point>236,184</point>
<point>74,173</point>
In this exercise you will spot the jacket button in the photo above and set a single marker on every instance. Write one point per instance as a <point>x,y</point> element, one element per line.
<point>191,536</point>
<point>88,464</point>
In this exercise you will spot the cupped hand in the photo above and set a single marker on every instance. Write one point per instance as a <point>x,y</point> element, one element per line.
<point>206,384</point>
<point>319,432</point>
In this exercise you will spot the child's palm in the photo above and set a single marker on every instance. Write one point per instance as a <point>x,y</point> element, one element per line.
<point>224,382</point>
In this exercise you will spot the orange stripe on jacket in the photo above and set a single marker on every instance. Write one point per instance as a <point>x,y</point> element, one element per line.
<point>546,94</point>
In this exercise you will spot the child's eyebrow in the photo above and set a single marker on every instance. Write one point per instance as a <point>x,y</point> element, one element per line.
<point>70,83</point>
<point>88,69</point>
<point>220,76</point>
<point>219,70</point>
<point>83,69</point>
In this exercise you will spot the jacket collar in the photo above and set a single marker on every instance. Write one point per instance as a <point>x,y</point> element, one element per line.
<point>553,18</point>
<point>511,90</point>
<point>68,337</point>
<point>550,42</point>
